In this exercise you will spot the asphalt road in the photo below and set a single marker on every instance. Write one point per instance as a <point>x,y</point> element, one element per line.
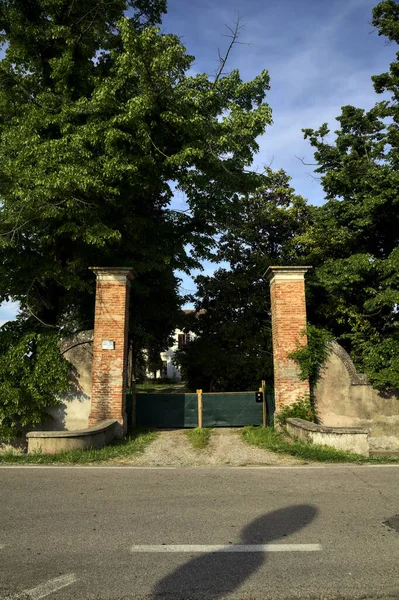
<point>313,533</point>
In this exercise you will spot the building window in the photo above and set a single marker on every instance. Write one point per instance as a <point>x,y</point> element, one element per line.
<point>164,370</point>
<point>182,339</point>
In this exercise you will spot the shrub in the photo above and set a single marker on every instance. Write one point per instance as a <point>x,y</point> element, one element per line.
<point>303,408</point>
<point>32,374</point>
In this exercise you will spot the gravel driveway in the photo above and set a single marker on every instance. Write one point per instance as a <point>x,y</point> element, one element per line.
<point>173,449</point>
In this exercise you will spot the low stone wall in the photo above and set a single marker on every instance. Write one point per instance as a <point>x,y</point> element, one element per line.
<point>51,442</point>
<point>345,398</point>
<point>73,409</point>
<point>349,439</point>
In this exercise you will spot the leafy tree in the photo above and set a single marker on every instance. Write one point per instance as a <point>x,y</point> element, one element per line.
<point>97,117</point>
<point>32,374</point>
<point>153,317</point>
<point>233,350</point>
<point>264,228</point>
<point>353,239</point>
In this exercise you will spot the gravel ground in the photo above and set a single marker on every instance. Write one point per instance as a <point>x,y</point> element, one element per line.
<point>173,449</point>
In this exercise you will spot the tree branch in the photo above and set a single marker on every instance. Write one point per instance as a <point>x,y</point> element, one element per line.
<point>156,147</point>
<point>26,304</point>
<point>233,36</point>
<point>305,163</point>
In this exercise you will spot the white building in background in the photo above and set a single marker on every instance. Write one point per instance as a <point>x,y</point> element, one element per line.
<point>168,369</point>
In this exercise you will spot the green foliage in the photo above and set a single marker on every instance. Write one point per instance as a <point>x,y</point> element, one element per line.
<point>263,229</point>
<point>380,359</point>
<point>311,357</point>
<point>277,441</point>
<point>199,438</point>
<point>97,117</point>
<point>214,362</point>
<point>99,122</point>
<point>303,408</point>
<point>233,350</point>
<point>32,374</point>
<point>352,240</point>
<point>134,443</point>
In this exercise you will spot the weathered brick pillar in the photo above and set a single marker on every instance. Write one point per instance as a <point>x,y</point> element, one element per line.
<point>108,399</point>
<point>288,306</point>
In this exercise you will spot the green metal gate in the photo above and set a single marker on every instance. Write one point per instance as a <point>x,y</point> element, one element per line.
<point>167,410</point>
<point>235,409</point>
<point>231,409</point>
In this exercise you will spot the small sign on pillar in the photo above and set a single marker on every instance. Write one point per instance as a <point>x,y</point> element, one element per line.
<point>108,345</point>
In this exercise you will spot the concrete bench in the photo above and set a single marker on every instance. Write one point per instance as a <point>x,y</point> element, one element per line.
<point>51,442</point>
<point>348,439</point>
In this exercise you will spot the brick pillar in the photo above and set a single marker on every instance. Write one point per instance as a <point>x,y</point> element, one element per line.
<point>288,306</point>
<point>108,398</point>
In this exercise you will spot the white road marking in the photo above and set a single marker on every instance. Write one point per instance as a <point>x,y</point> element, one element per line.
<point>201,548</point>
<point>44,589</point>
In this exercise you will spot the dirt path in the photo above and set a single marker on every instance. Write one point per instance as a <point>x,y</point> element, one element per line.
<point>173,449</point>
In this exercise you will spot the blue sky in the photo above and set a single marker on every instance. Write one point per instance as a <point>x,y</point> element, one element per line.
<point>320,56</point>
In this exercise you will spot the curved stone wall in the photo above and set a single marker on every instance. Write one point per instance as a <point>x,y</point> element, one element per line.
<point>73,411</point>
<point>344,398</point>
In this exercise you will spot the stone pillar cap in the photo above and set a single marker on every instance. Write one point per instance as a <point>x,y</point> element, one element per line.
<point>286,272</point>
<point>127,272</point>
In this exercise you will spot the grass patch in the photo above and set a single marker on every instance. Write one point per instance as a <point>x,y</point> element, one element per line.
<point>199,437</point>
<point>276,441</point>
<point>134,443</point>
<point>148,387</point>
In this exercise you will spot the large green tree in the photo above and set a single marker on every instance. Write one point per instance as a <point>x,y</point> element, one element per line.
<point>98,118</point>
<point>233,350</point>
<point>353,239</point>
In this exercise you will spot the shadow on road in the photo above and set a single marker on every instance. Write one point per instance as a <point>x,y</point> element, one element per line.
<point>216,574</point>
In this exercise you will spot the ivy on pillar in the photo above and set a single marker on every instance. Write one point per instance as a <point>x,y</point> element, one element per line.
<point>288,308</point>
<point>110,345</point>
